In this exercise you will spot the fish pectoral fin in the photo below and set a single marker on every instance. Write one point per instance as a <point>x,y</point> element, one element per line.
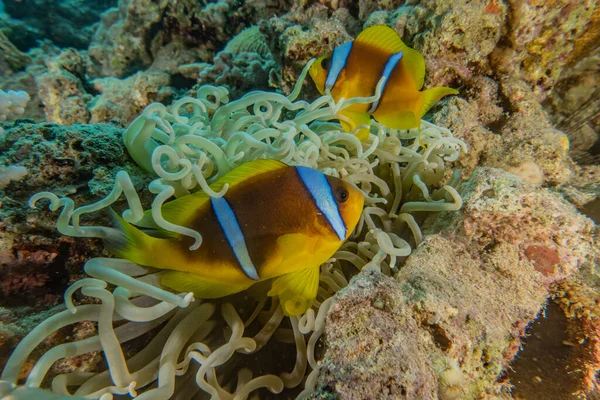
<point>356,118</point>
<point>297,290</point>
<point>431,96</point>
<point>202,288</point>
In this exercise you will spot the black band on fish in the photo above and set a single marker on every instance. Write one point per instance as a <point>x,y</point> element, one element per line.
<point>338,62</point>
<point>387,71</point>
<point>234,236</point>
<point>320,190</point>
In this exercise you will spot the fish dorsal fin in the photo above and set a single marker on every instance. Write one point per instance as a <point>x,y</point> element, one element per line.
<point>415,65</point>
<point>245,171</point>
<point>381,37</point>
<point>180,210</point>
<point>386,39</point>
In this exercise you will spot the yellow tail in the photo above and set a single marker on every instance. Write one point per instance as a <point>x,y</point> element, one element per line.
<point>130,243</point>
<point>431,96</point>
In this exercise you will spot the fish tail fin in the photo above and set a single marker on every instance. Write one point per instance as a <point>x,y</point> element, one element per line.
<point>352,120</point>
<point>431,96</point>
<point>129,242</point>
<point>412,119</point>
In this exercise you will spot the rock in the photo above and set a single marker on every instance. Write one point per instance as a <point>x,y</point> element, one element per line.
<point>11,58</point>
<point>239,73</point>
<point>65,23</point>
<point>124,99</point>
<point>303,34</point>
<point>129,37</point>
<point>375,351</point>
<point>448,328</point>
<point>61,89</point>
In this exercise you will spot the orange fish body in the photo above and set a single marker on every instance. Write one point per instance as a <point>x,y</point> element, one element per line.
<point>274,221</point>
<point>354,70</point>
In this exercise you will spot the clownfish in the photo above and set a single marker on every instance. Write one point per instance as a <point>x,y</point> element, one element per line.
<point>354,70</point>
<point>274,221</point>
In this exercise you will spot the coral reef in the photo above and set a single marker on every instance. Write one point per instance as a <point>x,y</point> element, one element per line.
<point>72,22</point>
<point>66,156</point>
<point>471,43</point>
<point>63,156</point>
<point>140,47</point>
<point>12,103</point>
<point>574,107</point>
<point>36,266</point>
<point>232,72</point>
<point>130,35</point>
<point>526,143</point>
<point>430,325</point>
<point>125,99</point>
<point>543,38</point>
<point>375,348</point>
<point>61,89</point>
<point>578,298</point>
<point>11,58</point>
<point>304,34</point>
<point>447,312</point>
<point>11,173</point>
<point>247,54</point>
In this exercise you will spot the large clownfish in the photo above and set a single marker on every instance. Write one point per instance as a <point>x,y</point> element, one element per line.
<point>354,70</point>
<point>274,221</point>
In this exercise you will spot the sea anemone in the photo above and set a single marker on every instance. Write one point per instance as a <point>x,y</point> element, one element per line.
<point>194,348</point>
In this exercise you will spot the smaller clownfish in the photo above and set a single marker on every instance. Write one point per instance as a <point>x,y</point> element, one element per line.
<point>274,222</point>
<point>354,70</point>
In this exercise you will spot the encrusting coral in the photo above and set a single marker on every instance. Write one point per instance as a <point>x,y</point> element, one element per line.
<point>188,145</point>
<point>11,104</point>
<point>72,23</point>
<point>446,320</point>
<point>246,55</point>
<point>11,173</point>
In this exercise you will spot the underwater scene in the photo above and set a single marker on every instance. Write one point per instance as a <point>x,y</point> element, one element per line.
<point>300,199</point>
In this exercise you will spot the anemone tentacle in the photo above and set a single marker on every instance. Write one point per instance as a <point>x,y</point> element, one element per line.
<point>188,146</point>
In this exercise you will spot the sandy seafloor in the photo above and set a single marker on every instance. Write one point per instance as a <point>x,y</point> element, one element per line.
<point>500,300</point>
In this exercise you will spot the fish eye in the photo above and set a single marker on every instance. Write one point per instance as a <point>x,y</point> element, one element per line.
<point>341,195</point>
<point>326,63</point>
